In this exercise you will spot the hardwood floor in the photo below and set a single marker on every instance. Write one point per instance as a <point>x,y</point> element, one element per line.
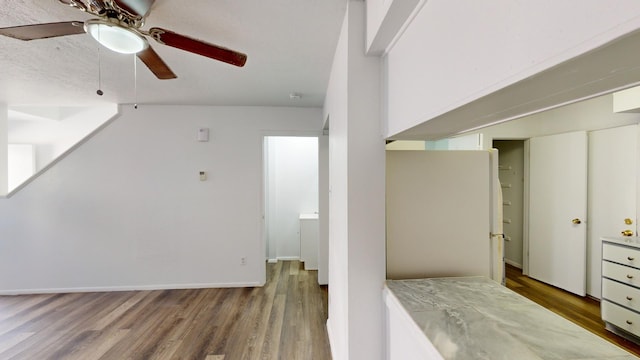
<point>583,311</point>
<point>285,319</point>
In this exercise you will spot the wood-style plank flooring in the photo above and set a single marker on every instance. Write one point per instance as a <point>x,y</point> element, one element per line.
<point>583,311</point>
<point>285,319</point>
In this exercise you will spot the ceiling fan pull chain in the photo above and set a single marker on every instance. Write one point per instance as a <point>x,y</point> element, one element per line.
<point>135,82</point>
<point>99,92</point>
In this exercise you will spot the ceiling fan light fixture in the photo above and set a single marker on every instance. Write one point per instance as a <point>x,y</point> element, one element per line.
<point>115,37</point>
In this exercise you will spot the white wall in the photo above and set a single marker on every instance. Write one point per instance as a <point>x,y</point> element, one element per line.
<point>54,135</point>
<point>4,153</point>
<point>293,187</point>
<point>126,210</point>
<point>406,145</point>
<point>589,115</point>
<point>22,163</point>
<point>356,152</point>
<point>454,52</point>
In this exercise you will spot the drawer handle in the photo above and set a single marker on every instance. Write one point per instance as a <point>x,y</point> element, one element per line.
<point>629,298</point>
<point>629,276</point>
<point>630,258</point>
<point>629,322</point>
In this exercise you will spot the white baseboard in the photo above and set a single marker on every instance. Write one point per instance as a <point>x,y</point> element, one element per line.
<point>272,261</point>
<point>513,263</point>
<point>129,288</point>
<point>288,258</point>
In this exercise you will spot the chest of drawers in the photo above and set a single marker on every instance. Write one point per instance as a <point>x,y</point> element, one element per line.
<point>620,304</point>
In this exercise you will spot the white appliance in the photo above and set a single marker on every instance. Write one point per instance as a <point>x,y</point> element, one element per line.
<point>444,214</point>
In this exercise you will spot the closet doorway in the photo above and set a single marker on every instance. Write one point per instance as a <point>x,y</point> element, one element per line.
<point>511,174</point>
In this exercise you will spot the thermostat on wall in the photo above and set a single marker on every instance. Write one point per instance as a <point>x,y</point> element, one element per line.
<point>203,134</point>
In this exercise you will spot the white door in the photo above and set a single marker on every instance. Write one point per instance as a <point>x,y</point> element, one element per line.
<point>612,193</point>
<point>557,210</point>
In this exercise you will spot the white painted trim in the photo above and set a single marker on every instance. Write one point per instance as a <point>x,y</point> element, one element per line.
<point>130,288</point>
<point>272,261</point>
<point>331,339</point>
<point>294,133</point>
<point>513,263</point>
<point>288,258</point>
<point>403,28</point>
<point>525,212</point>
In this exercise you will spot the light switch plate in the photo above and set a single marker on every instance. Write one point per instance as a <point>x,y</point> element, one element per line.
<point>203,134</point>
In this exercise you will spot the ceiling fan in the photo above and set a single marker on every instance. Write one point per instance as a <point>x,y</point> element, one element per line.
<point>118,28</point>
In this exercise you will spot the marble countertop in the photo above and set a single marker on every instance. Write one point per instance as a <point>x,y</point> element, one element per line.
<point>623,240</point>
<point>475,318</point>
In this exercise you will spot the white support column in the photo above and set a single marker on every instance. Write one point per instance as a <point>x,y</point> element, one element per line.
<point>357,201</point>
<point>366,191</point>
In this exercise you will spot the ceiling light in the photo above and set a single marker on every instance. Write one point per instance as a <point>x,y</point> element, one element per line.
<point>115,37</point>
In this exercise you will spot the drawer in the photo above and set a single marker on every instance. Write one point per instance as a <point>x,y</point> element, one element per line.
<point>620,254</point>
<point>621,294</point>
<point>621,273</point>
<point>623,318</point>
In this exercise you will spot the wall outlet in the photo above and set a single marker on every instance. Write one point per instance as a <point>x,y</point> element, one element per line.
<point>243,261</point>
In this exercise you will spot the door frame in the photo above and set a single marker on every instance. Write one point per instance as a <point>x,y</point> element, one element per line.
<point>525,210</point>
<point>289,133</point>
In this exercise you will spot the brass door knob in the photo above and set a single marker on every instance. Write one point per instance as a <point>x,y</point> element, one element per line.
<point>627,232</point>
<point>628,221</point>
<point>576,221</point>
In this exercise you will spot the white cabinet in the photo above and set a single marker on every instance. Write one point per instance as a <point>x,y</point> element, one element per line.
<point>309,241</point>
<point>621,286</point>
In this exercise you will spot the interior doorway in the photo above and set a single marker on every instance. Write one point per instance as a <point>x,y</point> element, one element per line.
<point>291,177</point>
<point>511,175</point>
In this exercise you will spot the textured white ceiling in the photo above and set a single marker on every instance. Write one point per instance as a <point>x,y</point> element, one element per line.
<point>289,43</point>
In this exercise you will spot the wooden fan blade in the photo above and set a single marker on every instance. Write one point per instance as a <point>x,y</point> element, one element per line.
<point>198,47</point>
<point>135,7</point>
<point>43,31</point>
<point>157,66</point>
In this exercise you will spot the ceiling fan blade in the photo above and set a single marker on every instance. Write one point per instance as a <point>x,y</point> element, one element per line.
<point>198,47</point>
<point>43,31</point>
<point>135,7</point>
<point>157,66</point>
